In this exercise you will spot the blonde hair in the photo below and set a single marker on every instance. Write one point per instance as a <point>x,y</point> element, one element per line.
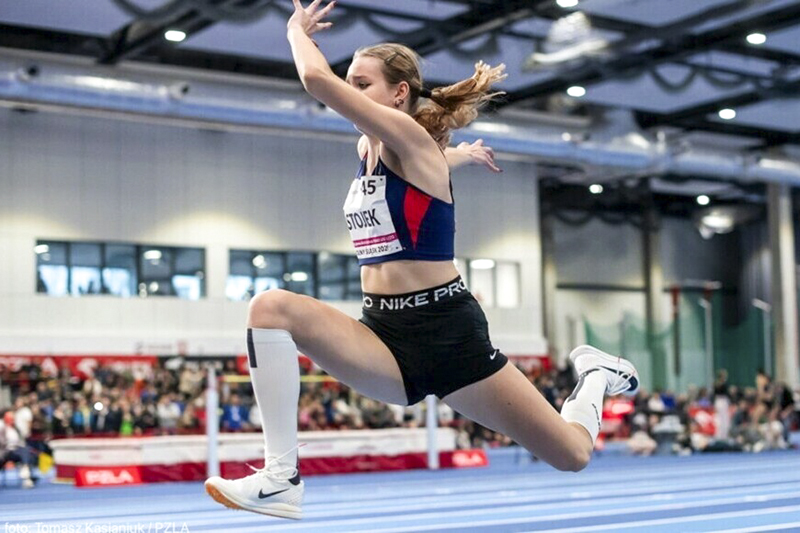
<point>446,108</point>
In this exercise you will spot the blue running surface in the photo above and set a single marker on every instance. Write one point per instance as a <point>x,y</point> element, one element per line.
<point>718,492</point>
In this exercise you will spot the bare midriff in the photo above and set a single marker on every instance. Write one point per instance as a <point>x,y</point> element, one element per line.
<point>400,277</point>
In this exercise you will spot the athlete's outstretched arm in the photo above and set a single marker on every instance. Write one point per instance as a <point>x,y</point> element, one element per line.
<point>395,128</point>
<point>457,156</point>
<point>471,154</point>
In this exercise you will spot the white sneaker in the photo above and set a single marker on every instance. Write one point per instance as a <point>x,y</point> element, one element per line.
<point>274,490</point>
<point>621,375</point>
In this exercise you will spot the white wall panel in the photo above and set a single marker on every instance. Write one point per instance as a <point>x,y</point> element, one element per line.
<point>71,178</point>
<point>685,255</point>
<point>600,253</point>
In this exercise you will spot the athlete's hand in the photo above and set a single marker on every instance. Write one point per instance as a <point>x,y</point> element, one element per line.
<point>308,19</point>
<point>479,154</point>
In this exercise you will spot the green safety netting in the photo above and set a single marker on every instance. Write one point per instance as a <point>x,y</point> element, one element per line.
<point>739,348</point>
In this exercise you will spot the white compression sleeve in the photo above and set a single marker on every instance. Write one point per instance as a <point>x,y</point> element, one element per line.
<point>585,405</point>
<point>275,374</point>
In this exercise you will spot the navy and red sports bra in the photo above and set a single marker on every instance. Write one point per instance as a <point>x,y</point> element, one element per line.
<point>390,219</point>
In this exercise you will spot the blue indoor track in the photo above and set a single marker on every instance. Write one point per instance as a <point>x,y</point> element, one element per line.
<point>718,492</point>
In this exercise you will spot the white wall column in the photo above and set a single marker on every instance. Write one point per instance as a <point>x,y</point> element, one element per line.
<point>784,284</point>
<point>654,295</point>
<point>549,284</point>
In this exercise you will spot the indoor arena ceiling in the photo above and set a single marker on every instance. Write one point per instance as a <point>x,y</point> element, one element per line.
<point>674,63</point>
<point>718,73</point>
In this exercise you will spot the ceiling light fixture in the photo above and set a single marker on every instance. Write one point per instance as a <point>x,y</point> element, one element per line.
<point>718,222</point>
<point>175,36</point>
<point>595,188</point>
<point>482,264</point>
<point>576,91</point>
<point>703,199</point>
<point>567,3</point>
<point>727,114</point>
<point>756,38</point>
<point>299,276</point>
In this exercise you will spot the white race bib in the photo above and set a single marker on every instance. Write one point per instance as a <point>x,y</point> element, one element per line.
<point>368,219</point>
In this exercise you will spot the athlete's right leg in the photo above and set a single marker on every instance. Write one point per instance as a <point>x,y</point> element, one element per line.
<point>339,344</point>
<point>280,323</point>
<point>342,346</point>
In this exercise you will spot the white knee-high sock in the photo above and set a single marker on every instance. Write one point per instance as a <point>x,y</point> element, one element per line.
<point>275,374</point>
<point>585,405</point>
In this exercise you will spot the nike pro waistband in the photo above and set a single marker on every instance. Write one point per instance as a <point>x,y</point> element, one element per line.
<point>412,300</point>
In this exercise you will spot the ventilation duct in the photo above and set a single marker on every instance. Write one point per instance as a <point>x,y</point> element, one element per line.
<point>248,102</point>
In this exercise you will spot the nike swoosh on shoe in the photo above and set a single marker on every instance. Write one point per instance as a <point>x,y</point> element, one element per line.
<point>261,495</point>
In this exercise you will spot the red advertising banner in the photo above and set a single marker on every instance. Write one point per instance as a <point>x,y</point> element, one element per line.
<point>109,476</point>
<point>467,458</point>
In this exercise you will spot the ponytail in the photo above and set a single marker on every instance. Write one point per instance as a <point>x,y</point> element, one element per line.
<point>455,106</point>
<point>447,108</point>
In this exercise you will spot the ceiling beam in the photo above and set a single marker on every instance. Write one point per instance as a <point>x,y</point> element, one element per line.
<point>761,52</point>
<point>41,40</point>
<point>677,44</point>
<point>629,28</point>
<point>482,18</point>
<point>139,36</point>
<point>34,39</point>
<point>344,5</point>
<point>752,96</point>
<point>767,136</point>
<point>217,62</point>
<point>22,38</point>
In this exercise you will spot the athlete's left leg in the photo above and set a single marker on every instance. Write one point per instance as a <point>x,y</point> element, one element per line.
<point>507,402</point>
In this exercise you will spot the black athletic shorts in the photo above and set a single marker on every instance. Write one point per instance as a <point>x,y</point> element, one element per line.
<point>439,337</point>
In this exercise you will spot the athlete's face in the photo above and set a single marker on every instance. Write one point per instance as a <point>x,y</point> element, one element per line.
<point>365,75</point>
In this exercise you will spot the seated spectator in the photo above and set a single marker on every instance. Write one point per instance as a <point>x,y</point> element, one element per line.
<point>13,448</point>
<point>254,417</point>
<point>771,431</point>
<point>786,408</point>
<point>199,404</point>
<point>59,424</point>
<point>655,404</point>
<point>80,421</point>
<point>234,415</point>
<point>188,421</point>
<point>745,426</point>
<point>23,418</point>
<point>191,381</point>
<point>445,414</point>
<point>108,419</point>
<point>640,441</point>
<point>126,424</point>
<point>144,418</point>
<point>168,412</point>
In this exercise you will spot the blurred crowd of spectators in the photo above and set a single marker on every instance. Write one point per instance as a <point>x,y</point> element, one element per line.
<point>169,399</point>
<point>108,403</point>
<point>726,418</point>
